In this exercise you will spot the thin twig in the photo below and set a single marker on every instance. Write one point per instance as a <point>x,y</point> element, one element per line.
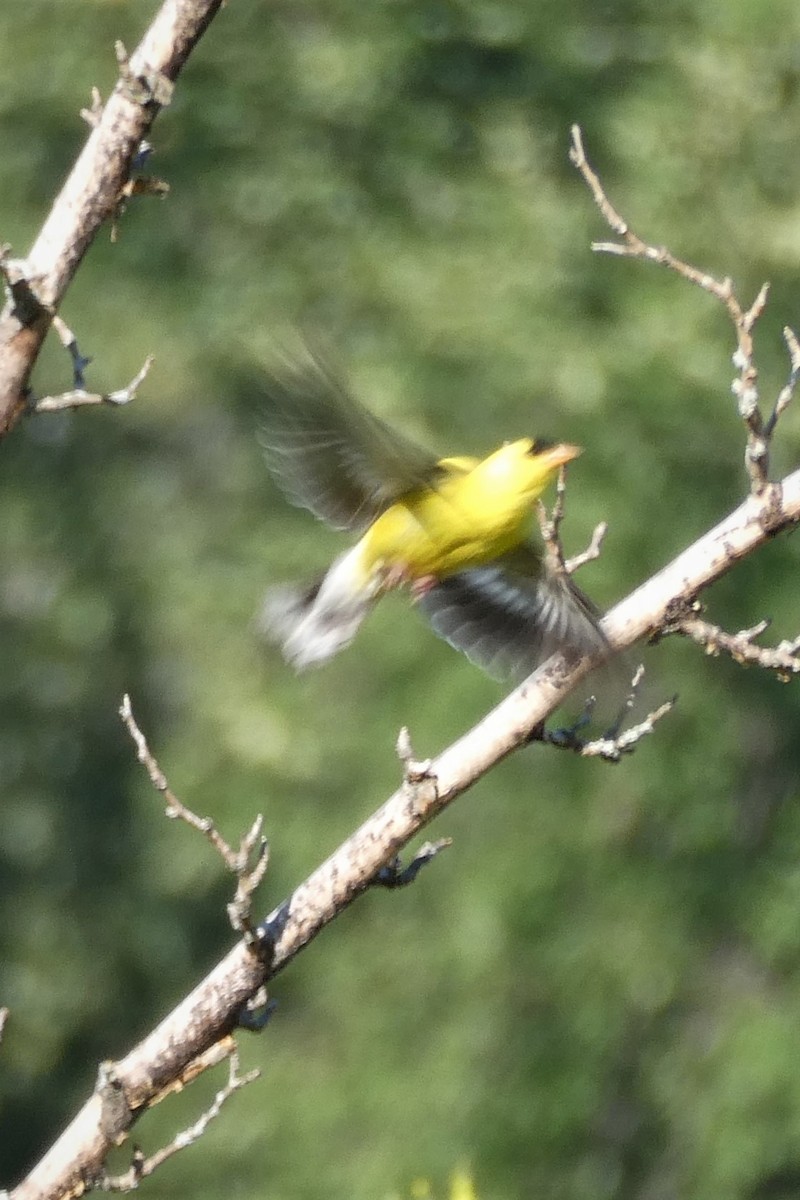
<point>745,385</point>
<point>70,343</point>
<point>142,1167</point>
<point>550,521</point>
<point>608,748</point>
<point>612,749</point>
<point>783,659</point>
<point>615,742</point>
<point>591,552</point>
<point>787,391</point>
<point>79,398</point>
<point>210,1058</point>
<point>248,863</point>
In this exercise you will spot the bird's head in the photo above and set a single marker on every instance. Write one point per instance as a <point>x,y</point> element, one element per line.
<point>547,457</point>
<point>527,466</point>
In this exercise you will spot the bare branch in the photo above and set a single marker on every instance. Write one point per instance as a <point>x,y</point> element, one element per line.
<point>248,863</point>
<point>415,771</point>
<point>37,284</point>
<point>745,385</point>
<point>4,1015</point>
<point>615,742</point>
<point>591,552</point>
<point>215,1005</point>
<point>550,522</point>
<point>142,1167</point>
<point>786,392</point>
<point>633,246</point>
<point>550,529</point>
<point>783,659</point>
<point>79,398</point>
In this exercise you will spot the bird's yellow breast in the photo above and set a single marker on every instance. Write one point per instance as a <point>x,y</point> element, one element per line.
<point>477,512</point>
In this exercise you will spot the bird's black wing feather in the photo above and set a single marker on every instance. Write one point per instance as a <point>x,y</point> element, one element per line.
<point>510,616</point>
<point>329,454</point>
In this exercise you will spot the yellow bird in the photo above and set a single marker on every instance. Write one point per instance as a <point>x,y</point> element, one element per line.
<point>458,532</point>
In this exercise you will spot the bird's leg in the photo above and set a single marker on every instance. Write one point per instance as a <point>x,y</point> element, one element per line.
<point>421,586</point>
<point>394,576</point>
<point>399,575</point>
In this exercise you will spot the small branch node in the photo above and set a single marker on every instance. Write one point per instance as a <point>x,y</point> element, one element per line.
<point>93,115</point>
<point>415,771</point>
<point>152,87</point>
<point>116,1116</point>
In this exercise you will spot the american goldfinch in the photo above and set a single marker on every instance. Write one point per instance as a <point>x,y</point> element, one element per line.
<point>457,532</point>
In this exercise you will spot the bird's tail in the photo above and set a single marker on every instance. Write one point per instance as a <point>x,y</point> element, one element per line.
<point>312,623</point>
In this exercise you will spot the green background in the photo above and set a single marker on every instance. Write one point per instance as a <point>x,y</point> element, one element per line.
<point>596,992</point>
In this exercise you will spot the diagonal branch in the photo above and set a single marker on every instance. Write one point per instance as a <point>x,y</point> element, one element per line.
<point>213,1008</point>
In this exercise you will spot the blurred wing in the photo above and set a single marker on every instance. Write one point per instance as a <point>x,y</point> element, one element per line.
<point>329,454</point>
<point>511,616</point>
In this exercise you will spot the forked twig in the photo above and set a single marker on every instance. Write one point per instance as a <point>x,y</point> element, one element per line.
<point>745,385</point>
<point>143,1166</point>
<point>248,863</point>
<point>615,742</point>
<point>783,659</point>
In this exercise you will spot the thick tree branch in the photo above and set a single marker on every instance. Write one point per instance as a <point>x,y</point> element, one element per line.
<point>212,1010</point>
<point>36,285</point>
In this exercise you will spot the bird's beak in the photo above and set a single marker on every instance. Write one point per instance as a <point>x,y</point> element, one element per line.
<point>557,456</point>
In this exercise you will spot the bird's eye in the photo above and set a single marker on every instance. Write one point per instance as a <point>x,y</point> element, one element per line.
<point>539,445</point>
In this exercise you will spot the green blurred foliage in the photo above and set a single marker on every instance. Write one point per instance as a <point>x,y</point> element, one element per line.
<point>596,992</point>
